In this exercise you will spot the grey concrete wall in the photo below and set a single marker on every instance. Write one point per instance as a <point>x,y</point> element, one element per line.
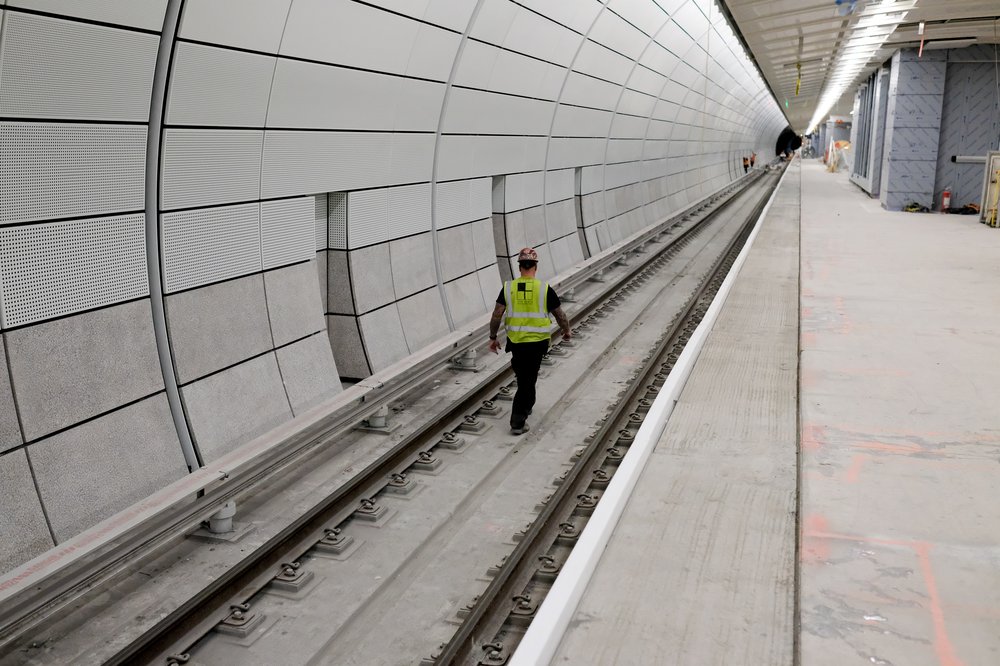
<point>970,122</point>
<point>913,124</point>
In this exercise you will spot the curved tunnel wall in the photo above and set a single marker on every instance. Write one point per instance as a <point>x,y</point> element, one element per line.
<point>338,184</point>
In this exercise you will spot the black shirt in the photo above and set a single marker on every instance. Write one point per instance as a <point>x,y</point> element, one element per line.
<point>551,300</point>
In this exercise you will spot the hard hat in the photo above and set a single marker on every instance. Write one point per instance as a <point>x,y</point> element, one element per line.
<point>527,254</point>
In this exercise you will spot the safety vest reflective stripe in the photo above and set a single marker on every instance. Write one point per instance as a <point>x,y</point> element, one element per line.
<point>530,329</point>
<point>533,323</point>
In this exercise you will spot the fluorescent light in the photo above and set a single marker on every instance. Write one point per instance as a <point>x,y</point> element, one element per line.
<point>872,28</point>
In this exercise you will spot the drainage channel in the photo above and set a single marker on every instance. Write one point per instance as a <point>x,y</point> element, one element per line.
<point>226,605</point>
<point>494,622</point>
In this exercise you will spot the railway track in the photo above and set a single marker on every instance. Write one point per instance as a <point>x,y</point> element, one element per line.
<point>232,611</point>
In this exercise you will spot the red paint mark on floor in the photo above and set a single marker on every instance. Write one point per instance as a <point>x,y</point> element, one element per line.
<point>813,437</point>
<point>888,448</point>
<point>854,471</point>
<point>815,549</point>
<point>942,644</point>
<point>815,531</point>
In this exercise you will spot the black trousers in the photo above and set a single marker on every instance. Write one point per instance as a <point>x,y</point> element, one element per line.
<point>526,359</point>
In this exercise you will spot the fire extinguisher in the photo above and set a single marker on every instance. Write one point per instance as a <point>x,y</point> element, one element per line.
<point>946,200</point>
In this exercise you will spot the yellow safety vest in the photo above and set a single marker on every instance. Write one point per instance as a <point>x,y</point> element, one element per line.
<point>527,317</point>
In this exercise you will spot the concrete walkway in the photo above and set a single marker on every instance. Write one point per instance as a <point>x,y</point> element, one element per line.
<point>900,433</point>
<point>701,568</point>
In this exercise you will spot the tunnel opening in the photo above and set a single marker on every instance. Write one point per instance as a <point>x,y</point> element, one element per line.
<point>788,141</point>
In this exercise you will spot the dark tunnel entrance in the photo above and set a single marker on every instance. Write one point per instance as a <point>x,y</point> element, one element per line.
<point>787,141</point>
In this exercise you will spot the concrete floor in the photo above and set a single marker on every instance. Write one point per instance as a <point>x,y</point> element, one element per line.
<point>900,433</point>
<point>899,460</point>
<point>701,568</point>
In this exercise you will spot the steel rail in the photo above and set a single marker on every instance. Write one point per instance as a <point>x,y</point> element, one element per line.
<point>172,636</point>
<point>492,608</point>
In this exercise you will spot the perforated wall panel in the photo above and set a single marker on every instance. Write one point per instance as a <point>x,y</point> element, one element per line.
<point>53,269</point>
<point>204,246</point>
<point>50,170</point>
<point>214,86</point>
<point>287,229</point>
<point>50,68</point>
<point>322,219</point>
<point>367,217</point>
<point>306,162</point>
<point>206,167</point>
<point>337,211</point>
<point>146,14</point>
<point>452,203</point>
<point>251,24</point>
<point>409,210</point>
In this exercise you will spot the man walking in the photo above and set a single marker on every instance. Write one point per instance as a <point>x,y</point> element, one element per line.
<point>527,302</point>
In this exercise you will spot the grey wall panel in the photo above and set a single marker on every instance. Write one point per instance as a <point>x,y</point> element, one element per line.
<point>423,319</point>
<point>10,431</point>
<point>49,270</point>
<point>457,252</point>
<point>287,231</point>
<point>490,284</point>
<point>409,210</point>
<point>232,407</point>
<point>217,326</point>
<point>74,368</point>
<point>412,261</point>
<point>146,14</point>
<point>216,86</point>
<point>22,515</point>
<point>339,299</point>
<point>293,302</point>
<point>367,217</point>
<point>559,185</point>
<point>310,162</point>
<point>480,112</point>
<point>382,335</point>
<point>482,242</point>
<point>523,190</point>
<point>462,201</point>
<point>50,171</point>
<point>465,299</point>
<point>97,469</point>
<point>371,277</point>
<point>50,68</point>
<point>560,218</point>
<point>348,349</point>
<point>327,97</point>
<point>596,60</point>
<point>348,33</point>
<point>321,277</point>
<point>208,245</point>
<point>308,372</point>
<point>250,24</point>
<point>208,167</point>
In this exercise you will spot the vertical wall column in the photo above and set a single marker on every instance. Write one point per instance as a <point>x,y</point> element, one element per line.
<point>913,125</point>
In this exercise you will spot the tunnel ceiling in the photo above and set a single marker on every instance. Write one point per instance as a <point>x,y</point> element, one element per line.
<point>783,34</point>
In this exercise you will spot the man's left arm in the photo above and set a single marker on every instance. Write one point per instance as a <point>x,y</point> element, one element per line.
<point>495,320</point>
<point>563,322</point>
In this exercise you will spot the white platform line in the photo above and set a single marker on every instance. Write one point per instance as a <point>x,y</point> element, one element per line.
<point>546,631</point>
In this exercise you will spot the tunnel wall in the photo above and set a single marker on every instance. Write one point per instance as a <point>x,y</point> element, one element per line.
<point>327,187</point>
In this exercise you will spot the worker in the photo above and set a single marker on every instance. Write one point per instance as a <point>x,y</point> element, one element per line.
<point>526,302</point>
<point>746,164</point>
<point>753,158</point>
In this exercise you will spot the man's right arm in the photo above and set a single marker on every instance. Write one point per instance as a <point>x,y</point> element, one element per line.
<point>563,322</point>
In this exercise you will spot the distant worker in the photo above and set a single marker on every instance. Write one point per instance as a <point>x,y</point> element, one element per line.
<point>746,164</point>
<point>753,158</point>
<point>527,323</point>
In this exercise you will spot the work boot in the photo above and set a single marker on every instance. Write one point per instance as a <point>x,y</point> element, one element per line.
<point>519,430</point>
